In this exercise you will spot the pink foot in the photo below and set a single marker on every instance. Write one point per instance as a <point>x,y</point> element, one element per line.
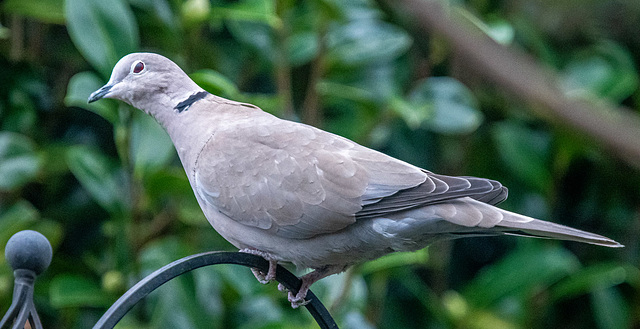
<point>308,279</point>
<point>273,263</point>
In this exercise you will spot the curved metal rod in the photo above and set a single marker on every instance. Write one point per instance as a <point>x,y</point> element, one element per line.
<point>19,297</point>
<point>154,280</point>
<point>23,317</point>
<point>22,308</point>
<point>34,318</point>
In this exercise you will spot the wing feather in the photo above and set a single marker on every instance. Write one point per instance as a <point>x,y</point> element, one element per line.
<point>295,179</point>
<point>436,189</point>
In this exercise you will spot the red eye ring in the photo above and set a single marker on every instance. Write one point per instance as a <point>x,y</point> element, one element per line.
<point>138,67</point>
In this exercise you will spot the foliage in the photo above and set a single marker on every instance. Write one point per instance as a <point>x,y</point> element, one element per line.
<point>102,181</point>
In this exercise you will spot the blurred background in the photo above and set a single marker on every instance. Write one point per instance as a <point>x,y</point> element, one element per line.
<point>104,184</point>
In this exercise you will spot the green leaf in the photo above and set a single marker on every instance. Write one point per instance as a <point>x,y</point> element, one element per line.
<point>19,163</point>
<point>610,309</point>
<point>4,32</point>
<point>100,177</point>
<point>161,9</point>
<point>499,30</point>
<point>443,105</point>
<point>240,279</point>
<point>394,260</point>
<point>347,289</point>
<point>252,22</point>
<point>172,183</point>
<point>414,115</point>
<point>257,311</point>
<point>209,291</point>
<point>343,91</point>
<point>302,47</point>
<point>51,229</point>
<point>173,304</point>
<point>103,31</point>
<point>151,147</point>
<point>595,277</point>
<point>215,83</point>
<point>24,114</point>
<point>357,320</point>
<point>430,301</point>
<point>19,216</point>
<point>366,41</point>
<point>454,119</point>
<point>46,11</point>
<point>380,82</point>
<point>526,153</point>
<point>605,70</point>
<point>257,35</point>
<point>22,215</point>
<point>195,12</point>
<point>80,87</point>
<point>271,103</point>
<point>68,290</point>
<point>168,181</point>
<point>512,276</point>
<point>257,11</point>
<point>341,10</point>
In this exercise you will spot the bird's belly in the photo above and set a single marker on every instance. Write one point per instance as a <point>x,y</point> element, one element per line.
<point>349,246</point>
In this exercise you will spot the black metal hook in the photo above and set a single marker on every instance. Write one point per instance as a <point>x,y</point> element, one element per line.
<point>190,263</point>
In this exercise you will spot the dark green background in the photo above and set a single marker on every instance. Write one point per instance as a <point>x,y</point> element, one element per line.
<point>103,183</point>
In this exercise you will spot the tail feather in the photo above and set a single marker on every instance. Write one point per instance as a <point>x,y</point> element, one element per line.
<point>466,217</point>
<point>542,229</point>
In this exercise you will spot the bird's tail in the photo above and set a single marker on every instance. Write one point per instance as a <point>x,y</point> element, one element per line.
<point>466,217</point>
<point>542,229</point>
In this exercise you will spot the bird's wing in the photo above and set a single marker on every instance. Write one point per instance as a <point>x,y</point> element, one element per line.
<point>435,189</point>
<point>300,181</point>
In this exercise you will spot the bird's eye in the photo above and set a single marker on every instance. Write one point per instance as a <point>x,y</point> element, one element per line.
<point>137,67</point>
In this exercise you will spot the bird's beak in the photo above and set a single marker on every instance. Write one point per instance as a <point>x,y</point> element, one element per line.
<point>100,93</point>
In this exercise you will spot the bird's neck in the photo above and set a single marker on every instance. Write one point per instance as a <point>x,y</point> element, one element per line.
<point>167,104</point>
<point>181,118</point>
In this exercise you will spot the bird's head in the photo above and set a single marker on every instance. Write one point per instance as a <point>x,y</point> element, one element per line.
<point>141,79</point>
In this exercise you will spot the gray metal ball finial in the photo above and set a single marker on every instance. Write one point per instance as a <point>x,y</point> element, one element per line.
<point>29,254</point>
<point>29,250</point>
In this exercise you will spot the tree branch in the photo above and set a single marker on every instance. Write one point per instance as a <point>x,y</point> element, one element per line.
<point>616,128</point>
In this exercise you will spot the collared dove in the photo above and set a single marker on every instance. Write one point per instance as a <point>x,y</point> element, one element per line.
<point>294,193</point>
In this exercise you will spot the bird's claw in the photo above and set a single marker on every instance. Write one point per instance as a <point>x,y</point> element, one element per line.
<point>260,275</point>
<point>298,299</point>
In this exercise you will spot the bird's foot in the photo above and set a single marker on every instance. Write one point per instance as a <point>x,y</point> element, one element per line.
<point>308,279</point>
<point>298,299</point>
<point>262,277</point>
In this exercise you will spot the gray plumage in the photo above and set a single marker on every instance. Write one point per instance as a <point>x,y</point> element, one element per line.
<point>295,193</point>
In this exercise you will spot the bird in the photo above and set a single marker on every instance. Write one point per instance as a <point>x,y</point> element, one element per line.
<point>293,193</point>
